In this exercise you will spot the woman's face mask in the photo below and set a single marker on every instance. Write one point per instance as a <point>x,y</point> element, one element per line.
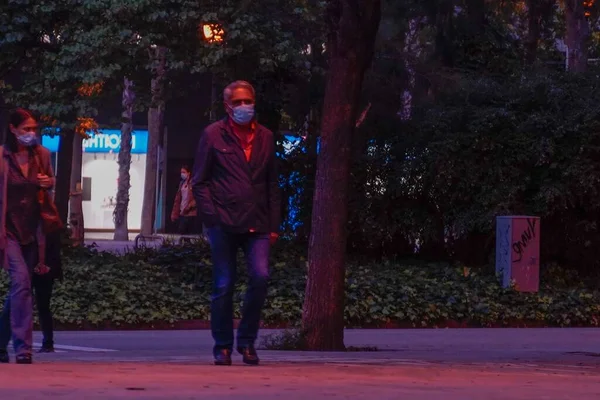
<point>26,133</point>
<point>27,139</point>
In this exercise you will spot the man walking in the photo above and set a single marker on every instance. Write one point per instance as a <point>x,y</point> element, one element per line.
<point>235,184</point>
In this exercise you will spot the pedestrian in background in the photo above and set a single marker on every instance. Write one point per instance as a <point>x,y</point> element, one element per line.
<point>184,207</point>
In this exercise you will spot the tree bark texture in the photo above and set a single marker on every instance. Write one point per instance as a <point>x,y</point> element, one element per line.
<point>155,130</point>
<point>578,35</point>
<point>63,174</point>
<point>124,160</point>
<point>76,195</point>
<point>353,28</point>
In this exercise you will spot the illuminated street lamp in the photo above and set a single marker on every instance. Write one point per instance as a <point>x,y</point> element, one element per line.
<point>213,33</point>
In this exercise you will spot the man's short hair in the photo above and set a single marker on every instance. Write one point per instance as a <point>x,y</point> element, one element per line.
<point>237,85</point>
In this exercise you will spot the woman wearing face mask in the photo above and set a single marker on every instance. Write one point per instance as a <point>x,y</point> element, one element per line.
<point>25,178</point>
<point>184,207</point>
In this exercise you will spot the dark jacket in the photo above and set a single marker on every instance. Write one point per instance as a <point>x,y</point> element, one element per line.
<point>48,244</point>
<point>191,209</point>
<point>230,192</point>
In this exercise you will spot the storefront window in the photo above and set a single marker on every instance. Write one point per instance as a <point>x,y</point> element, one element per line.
<point>100,173</point>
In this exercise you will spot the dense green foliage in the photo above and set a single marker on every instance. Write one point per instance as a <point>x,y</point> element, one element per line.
<point>485,132</point>
<point>52,47</point>
<point>173,284</point>
<point>468,116</point>
<point>482,149</point>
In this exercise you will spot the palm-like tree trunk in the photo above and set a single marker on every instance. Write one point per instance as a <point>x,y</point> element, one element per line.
<point>120,213</point>
<point>156,115</point>
<point>75,197</point>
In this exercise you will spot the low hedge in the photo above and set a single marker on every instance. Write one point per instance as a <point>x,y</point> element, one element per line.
<point>173,284</point>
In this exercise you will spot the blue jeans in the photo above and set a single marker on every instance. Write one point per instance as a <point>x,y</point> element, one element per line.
<point>17,315</point>
<point>224,247</point>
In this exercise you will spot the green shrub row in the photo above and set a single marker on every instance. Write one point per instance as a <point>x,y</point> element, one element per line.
<point>173,284</point>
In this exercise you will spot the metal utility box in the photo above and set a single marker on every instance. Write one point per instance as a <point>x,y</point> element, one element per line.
<point>518,252</point>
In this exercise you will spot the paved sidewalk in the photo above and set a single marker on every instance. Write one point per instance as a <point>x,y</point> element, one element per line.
<point>155,381</point>
<point>411,364</point>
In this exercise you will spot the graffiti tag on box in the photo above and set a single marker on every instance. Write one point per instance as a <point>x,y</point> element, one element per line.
<point>526,237</point>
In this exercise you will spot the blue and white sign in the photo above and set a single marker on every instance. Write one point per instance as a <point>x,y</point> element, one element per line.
<point>51,143</point>
<point>105,141</point>
<point>109,141</point>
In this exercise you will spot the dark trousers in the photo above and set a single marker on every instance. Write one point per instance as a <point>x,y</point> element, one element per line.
<point>17,317</point>
<point>224,247</point>
<point>42,286</point>
<point>187,225</point>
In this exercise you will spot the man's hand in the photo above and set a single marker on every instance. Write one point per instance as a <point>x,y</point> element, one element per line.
<point>44,180</point>
<point>273,238</point>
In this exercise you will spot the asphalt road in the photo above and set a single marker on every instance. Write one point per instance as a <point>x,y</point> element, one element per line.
<point>411,364</point>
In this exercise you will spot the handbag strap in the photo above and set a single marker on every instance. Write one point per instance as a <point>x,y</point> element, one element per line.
<point>41,192</point>
<point>36,156</point>
<point>41,237</point>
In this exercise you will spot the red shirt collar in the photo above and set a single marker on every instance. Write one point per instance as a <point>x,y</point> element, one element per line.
<point>233,126</point>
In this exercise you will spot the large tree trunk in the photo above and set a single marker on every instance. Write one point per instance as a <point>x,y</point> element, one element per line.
<point>75,197</point>
<point>578,36</point>
<point>354,26</point>
<point>122,206</point>
<point>63,174</point>
<point>155,130</point>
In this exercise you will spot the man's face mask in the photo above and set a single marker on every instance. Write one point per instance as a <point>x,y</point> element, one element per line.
<point>243,114</point>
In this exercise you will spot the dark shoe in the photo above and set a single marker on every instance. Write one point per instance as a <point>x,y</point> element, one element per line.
<point>222,357</point>
<point>249,355</point>
<point>24,359</point>
<point>46,349</point>
<point>4,357</point>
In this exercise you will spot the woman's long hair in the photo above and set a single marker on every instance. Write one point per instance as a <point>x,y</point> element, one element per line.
<point>15,118</point>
